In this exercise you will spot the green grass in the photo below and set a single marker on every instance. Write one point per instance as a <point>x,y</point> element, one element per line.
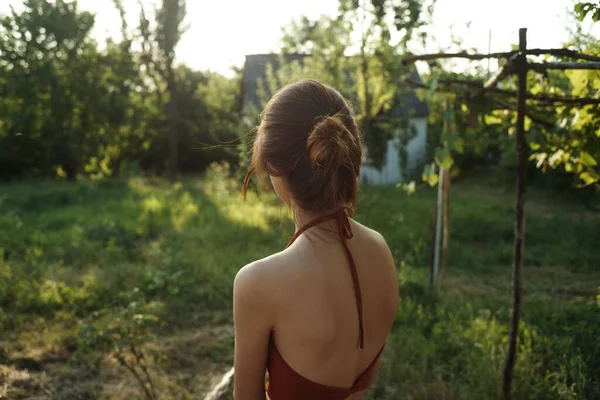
<point>87,269</point>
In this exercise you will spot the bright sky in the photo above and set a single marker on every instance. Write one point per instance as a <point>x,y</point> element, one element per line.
<point>222,32</point>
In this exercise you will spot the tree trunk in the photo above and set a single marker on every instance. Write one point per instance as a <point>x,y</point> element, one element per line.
<point>71,171</point>
<point>520,216</point>
<point>172,123</point>
<point>364,64</point>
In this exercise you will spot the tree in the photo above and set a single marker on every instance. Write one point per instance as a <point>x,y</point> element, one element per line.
<point>326,40</point>
<point>371,77</point>
<point>63,101</point>
<point>378,69</point>
<point>69,109</point>
<point>159,41</point>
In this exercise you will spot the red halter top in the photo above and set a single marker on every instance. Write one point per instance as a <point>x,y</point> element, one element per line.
<point>285,383</point>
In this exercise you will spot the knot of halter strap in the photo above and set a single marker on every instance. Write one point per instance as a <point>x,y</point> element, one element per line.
<point>344,223</point>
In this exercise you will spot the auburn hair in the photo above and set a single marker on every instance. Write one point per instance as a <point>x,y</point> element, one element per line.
<point>308,135</point>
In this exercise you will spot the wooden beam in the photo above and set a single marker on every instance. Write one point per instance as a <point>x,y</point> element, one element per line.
<point>462,54</point>
<point>506,70</point>
<point>505,105</point>
<point>563,53</point>
<point>579,101</point>
<point>475,56</point>
<point>542,98</point>
<point>563,66</point>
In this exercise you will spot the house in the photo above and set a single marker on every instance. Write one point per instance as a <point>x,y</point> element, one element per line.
<point>417,110</point>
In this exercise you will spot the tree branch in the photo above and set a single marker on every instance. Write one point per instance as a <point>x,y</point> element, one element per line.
<point>581,101</point>
<point>135,373</point>
<point>508,106</point>
<point>140,360</point>
<point>563,53</point>
<point>462,54</point>
<point>532,52</point>
<point>542,67</point>
<point>508,69</point>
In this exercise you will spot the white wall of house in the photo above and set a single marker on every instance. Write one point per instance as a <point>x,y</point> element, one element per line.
<point>390,172</point>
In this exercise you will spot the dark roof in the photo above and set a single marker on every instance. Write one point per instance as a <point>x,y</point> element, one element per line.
<point>256,65</point>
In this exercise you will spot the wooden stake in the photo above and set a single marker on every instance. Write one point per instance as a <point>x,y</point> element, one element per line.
<point>520,216</point>
<point>446,224</point>
<point>438,229</point>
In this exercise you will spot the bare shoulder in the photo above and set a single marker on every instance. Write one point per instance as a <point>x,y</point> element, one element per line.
<point>375,249</point>
<point>373,238</point>
<point>260,278</point>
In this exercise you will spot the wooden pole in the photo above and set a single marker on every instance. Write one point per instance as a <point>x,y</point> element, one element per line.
<point>446,225</point>
<point>449,126</point>
<point>520,215</point>
<point>489,60</point>
<point>438,228</point>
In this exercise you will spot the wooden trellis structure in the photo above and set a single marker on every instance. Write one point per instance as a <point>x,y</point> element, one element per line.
<point>517,63</point>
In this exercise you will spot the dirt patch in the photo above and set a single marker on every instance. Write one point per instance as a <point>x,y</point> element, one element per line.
<point>182,364</point>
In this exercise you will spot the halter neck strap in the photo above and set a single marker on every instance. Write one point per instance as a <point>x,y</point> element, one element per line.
<point>345,231</point>
<point>343,225</point>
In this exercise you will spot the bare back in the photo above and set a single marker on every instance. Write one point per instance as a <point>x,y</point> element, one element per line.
<point>316,323</point>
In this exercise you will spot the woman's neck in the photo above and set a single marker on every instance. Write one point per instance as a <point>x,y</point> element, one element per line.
<point>303,217</point>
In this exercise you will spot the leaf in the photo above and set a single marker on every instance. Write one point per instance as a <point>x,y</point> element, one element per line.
<point>440,154</point>
<point>588,178</point>
<point>534,146</point>
<point>579,81</point>
<point>409,188</point>
<point>432,180</point>
<point>582,9</point>
<point>450,139</point>
<point>569,167</point>
<point>443,158</point>
<point>433,86</point>
<point>429,175</point>
<point>587,159</point>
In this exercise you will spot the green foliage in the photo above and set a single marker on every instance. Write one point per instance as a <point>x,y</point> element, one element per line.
<point>582,9</point>
<point>121,331</point>
<point>563,138</point>
<point>143,262</point>
<point>70,109</point>
<point>444,347</point>
<point>369,78</point>
<point>50,92</point>
<point>452,344</point>
<point>377,69</point>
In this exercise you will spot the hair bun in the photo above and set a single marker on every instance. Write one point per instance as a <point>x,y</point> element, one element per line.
<point>329,144</point>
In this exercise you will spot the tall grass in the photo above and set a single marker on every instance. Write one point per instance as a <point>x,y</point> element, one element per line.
<point>99,265</point>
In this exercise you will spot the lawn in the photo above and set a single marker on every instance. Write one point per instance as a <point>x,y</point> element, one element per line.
<point>93,273</point>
